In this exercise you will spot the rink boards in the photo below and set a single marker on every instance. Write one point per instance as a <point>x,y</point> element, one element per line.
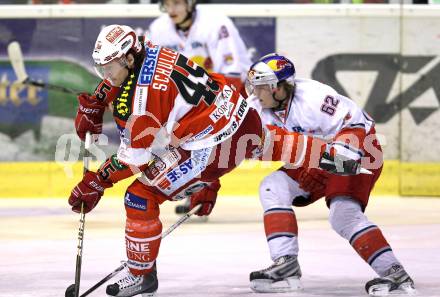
<point>393,74</point>
<point>49,179</point>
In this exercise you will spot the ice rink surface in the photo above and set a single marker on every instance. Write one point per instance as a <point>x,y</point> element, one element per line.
<point>39,237</point>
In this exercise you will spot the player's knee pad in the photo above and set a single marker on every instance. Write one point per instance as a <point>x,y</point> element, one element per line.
<point>278,189</point>
<point>346,216</point>
<point>348,220</point>
<point>143,232</point>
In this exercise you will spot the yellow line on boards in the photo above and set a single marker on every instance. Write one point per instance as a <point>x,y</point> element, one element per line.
<point>49,179</point>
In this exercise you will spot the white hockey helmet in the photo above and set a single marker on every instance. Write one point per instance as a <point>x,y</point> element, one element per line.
<point>114,41</point>
<point>111,46</point>
<point>270,70</point>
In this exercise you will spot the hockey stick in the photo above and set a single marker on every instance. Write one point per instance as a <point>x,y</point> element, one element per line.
<point>86,161</point>
<point>183,219</point>
<point>17,62</point>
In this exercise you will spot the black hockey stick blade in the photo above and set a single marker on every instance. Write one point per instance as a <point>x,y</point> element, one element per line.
<point>70,291</point>
<point>49,86</point>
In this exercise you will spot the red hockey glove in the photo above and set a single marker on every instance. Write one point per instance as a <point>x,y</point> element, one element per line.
<point>207,197</point>
<point>89,116</point>
<point>312,180</point>
<point>89,191</point>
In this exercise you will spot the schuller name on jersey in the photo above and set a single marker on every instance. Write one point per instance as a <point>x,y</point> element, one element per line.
<point>157,67</point>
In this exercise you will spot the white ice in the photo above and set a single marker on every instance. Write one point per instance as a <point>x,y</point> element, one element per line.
<point>38,239</point>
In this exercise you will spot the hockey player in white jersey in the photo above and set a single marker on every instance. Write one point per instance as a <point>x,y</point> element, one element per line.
<point>307,106</point>
<point>209,39</point>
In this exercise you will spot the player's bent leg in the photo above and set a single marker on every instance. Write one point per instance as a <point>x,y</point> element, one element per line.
<point>281,232</point>
<point>277,191</point>
<point>142,237</point>
<point>348,220</point>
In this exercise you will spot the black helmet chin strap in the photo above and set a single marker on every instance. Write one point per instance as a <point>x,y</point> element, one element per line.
<point>282,102</point>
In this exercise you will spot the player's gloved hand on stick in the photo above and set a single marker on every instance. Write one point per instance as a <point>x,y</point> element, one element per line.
<point>89,191</point>
<point>341,159</point>
<point>312,180</point>
<point>207,197</point>
<point>89,116</point>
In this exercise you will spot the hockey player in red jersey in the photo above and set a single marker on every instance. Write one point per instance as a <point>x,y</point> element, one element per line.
<point>208,38</point>
<point>181,128</point>
<point>305,105</point>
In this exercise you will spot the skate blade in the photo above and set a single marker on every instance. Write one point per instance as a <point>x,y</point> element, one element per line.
<point>141,295</point>
<point>290,284</point>
<point>384,290</point>
<point>148,294</point>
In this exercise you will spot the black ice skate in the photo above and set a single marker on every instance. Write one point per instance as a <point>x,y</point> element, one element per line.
<point>282,276</point>
<point>133,285</point>
<point>395,282</point>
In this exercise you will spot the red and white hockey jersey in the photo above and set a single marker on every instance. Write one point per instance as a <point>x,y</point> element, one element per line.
<point>171,100</point>
<point>212,42</point>
<point>318,110</point>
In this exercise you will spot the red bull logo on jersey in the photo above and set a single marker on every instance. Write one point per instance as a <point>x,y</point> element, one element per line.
<point>228,59</point>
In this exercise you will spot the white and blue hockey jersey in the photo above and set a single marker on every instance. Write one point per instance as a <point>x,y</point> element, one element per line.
<point>213,42</point>
<point>316,109</point>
